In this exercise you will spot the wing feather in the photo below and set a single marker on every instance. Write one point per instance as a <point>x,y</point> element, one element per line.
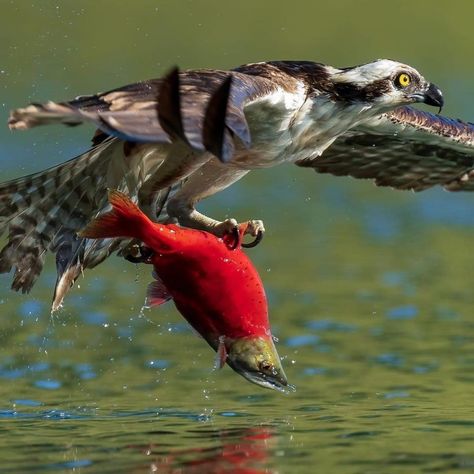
<point>405,149</point>
<point>132,112</point>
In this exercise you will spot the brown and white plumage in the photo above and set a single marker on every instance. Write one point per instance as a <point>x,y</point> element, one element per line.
<point>404,149</point>
<point>171,142</point>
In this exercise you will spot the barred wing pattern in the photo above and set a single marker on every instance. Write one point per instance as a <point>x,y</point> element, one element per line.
<point>405,149</point>
<point>41,209</point>
<point>45,210</point>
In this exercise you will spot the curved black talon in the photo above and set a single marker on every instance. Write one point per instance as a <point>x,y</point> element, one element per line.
<point>257,240</point>
<point>236,235</point>
<point>145,254</point>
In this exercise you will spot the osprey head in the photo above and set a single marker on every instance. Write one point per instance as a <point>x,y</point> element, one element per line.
<point>386,84</point>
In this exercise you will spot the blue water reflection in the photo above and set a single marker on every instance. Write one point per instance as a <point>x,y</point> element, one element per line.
<point>402,312</point>
<point>48,384</point>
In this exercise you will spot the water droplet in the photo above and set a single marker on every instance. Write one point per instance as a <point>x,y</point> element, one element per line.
<point>158,364</point>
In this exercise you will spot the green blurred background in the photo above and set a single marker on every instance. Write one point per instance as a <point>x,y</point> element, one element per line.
<point>369,289</point>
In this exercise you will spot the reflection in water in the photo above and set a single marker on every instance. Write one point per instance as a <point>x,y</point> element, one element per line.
<point>239,450</point>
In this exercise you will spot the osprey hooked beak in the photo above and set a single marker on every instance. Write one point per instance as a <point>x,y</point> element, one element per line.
<point>256,359</point>
<point>432,96</point>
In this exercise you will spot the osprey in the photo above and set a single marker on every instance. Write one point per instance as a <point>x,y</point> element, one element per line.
<point>173,141</point>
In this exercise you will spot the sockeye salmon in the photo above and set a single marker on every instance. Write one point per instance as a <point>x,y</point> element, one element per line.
<point>213,284</point>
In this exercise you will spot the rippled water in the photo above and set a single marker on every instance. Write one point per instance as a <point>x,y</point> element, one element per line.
<point>370,290</point>
<point>376,333</point>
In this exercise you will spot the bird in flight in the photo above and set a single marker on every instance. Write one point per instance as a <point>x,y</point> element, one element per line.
<point>174,141</point>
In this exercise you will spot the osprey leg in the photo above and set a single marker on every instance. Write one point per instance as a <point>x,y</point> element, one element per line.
<point>201,185</point>
<point>180,162</point>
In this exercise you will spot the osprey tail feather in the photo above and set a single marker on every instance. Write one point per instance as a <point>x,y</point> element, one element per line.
<point>43,210</point>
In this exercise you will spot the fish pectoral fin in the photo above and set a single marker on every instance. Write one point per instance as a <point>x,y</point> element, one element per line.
<point>221,354</point>
<point>156,293</point>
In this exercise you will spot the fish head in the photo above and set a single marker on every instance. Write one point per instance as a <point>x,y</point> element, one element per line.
<point>256,359</point>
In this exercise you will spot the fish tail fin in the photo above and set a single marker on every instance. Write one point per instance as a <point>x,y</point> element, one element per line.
<point>124,220</point>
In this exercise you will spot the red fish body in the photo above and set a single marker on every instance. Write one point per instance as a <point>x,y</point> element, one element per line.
<point>216,289</point>
<point>212,282</point>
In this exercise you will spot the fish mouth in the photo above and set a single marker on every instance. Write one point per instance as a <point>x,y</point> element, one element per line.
<point>256,359</point>
<point>277,383</point>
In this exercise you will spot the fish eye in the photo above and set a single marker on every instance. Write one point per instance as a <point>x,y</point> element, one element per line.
<point>403,80</point>
<point>265,366</point>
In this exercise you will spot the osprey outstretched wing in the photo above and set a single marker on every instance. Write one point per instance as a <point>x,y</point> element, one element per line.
<point>196,107</point>
<point>404,149</point>
<point>171,142</point>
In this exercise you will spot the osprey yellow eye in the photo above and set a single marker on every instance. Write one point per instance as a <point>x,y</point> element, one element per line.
<point>403,80</point>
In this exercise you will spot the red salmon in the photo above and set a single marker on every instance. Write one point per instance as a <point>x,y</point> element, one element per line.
<point>213,284</point>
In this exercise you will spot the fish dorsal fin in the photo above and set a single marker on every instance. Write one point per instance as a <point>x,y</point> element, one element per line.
<point>156,293</point>
<point>221,354</point>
